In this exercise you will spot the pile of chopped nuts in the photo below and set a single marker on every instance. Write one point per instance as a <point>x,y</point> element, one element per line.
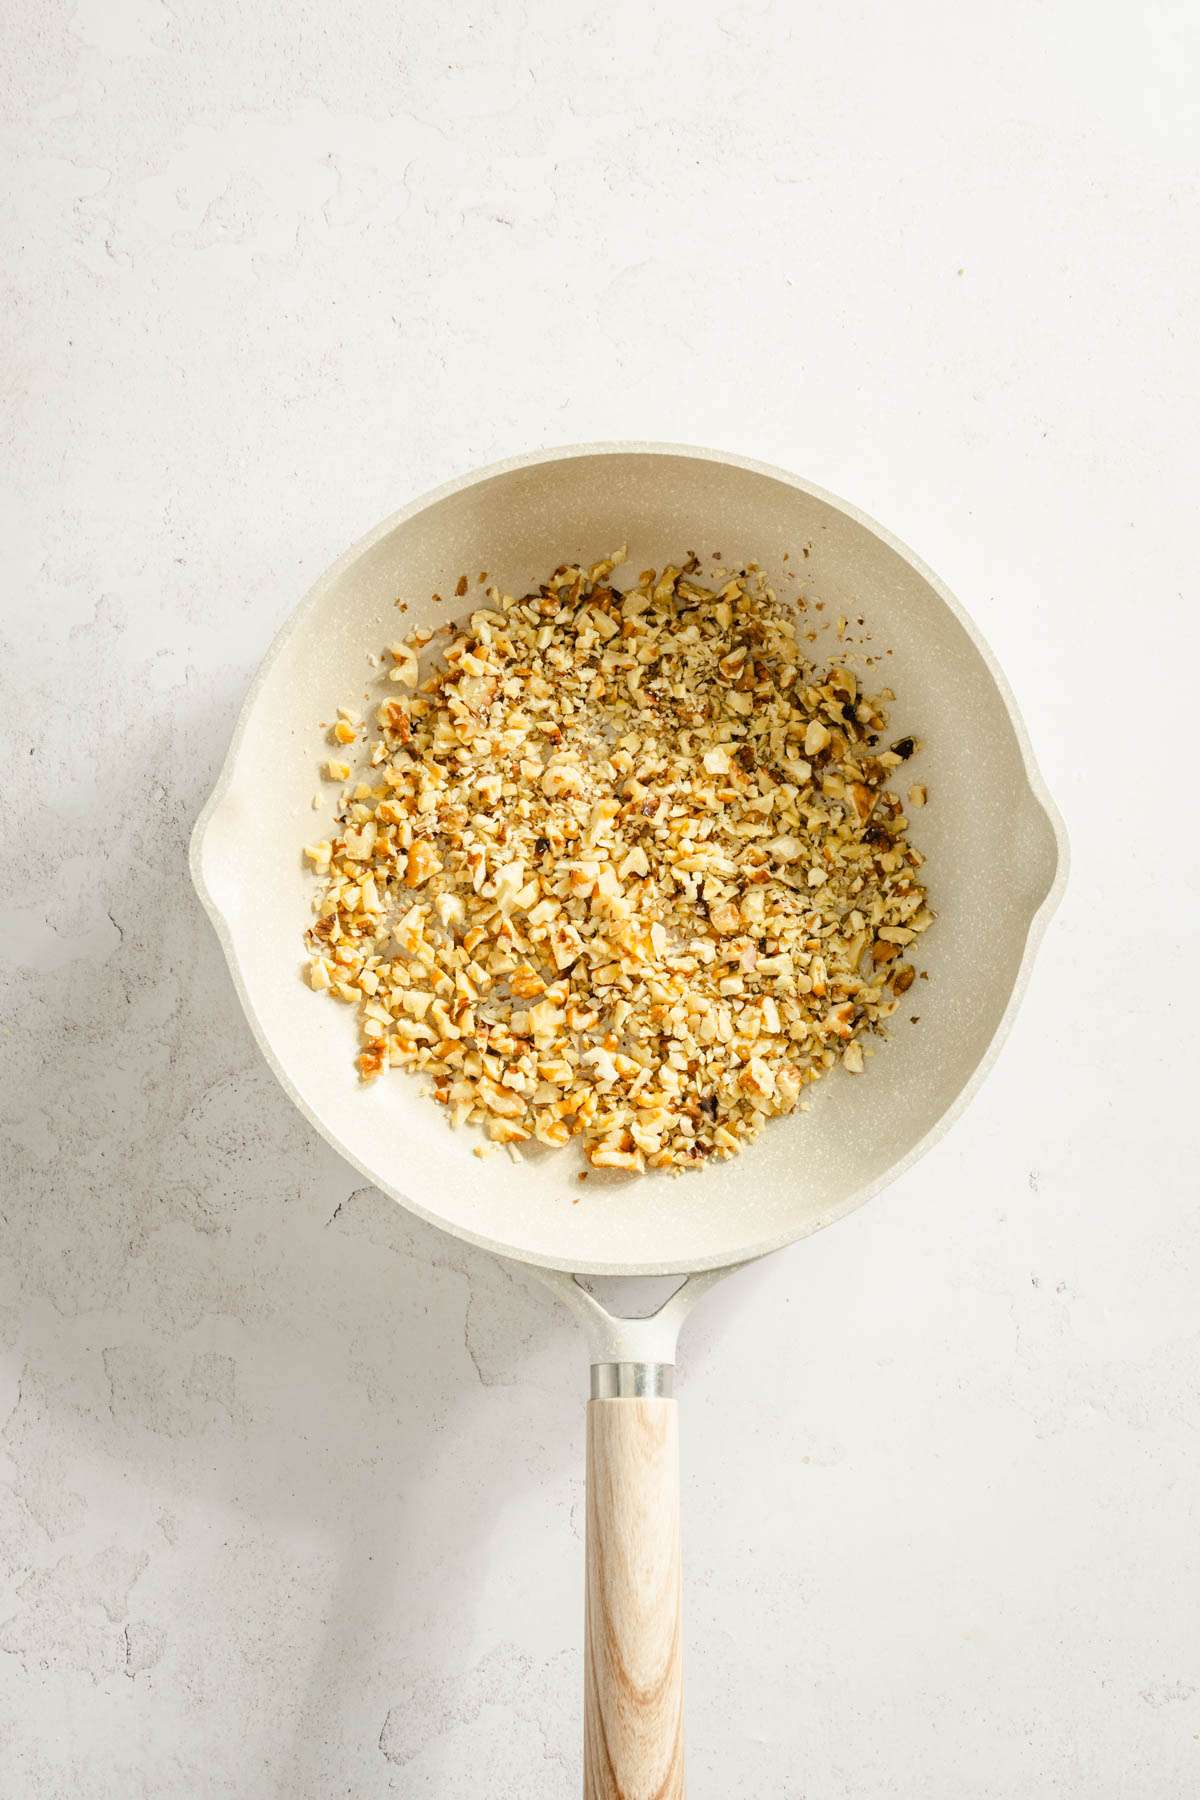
<point>623,866</point>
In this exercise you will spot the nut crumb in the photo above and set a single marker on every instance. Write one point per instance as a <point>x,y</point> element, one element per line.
<point>622,866</point>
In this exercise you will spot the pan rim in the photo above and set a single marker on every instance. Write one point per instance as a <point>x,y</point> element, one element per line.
<point>1035,933</point>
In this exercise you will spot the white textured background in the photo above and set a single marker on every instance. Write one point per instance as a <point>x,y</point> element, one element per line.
<point>290,1498</point>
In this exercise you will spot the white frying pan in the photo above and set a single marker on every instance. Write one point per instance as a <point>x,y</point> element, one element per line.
<point>996,866</point>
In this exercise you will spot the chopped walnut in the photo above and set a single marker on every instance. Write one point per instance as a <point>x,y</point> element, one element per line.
<point>621,866</point>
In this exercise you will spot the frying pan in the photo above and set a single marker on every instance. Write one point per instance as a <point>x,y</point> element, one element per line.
<point>996,865</point>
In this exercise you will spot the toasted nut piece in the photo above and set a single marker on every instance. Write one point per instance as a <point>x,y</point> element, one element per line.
<point>545,1021</point>
<point>725,918</point>
<point>601,1158</point>
<point>525,983</point>
<point>506,1131</point>
<point>422,863</point>
<point>600,1061</point>
<point>863,800</point>
<point>405,665</point>
<point>758,1078</point>
<point>561,777</point>
<point>509,881</point>
<point>788,1084</point>
<point>359,845</point>
<point>500,1100</point>
<point>840,1019</point>
<point>565,946</point>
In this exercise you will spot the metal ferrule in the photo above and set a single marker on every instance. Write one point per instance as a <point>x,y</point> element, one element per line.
<point>633,1381</point>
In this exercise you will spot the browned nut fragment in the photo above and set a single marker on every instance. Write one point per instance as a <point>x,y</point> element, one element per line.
<point>506,1131</point>
<point>725,919</point>
<point>602,1158</point>
<point>405,667</point>
<point>422,863</point>
<point>863,800</point>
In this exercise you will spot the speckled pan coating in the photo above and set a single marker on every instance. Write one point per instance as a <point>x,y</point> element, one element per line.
<point>995,843</point>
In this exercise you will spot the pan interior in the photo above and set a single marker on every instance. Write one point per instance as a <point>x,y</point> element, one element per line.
<point>991,847</point>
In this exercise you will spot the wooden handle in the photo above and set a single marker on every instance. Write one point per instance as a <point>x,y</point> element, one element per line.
<point>633,1665</point>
